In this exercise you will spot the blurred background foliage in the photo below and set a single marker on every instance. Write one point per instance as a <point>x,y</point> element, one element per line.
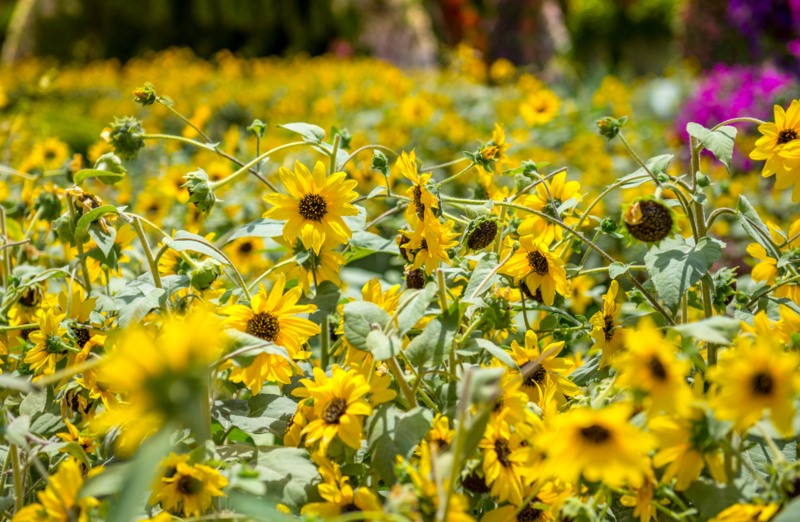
<point>561,36</point>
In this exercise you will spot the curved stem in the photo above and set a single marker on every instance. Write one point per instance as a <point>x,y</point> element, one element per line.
<point>258,159</point>
<point>636,157</point>
<point>717,213</point>
<point>368,147</point>
<point>444,165</point>
<point>764,292</point>
<point>742,119</point>
<point>137,225</point>
<point>456,175</point>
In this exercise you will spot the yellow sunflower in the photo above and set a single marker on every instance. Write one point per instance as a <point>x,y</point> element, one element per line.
<point>779,145</point>
<point>543,368</point>
<point>274,317</point>
<point>49,345</point>
<point>539,269</point>
<point>429,242</point>
<point>340,497</point>
<point>187,490</point>
<point>650,366</point>
<point>340,405</point>
<point>548,198</point>
<point>314,205</point>
<point>754,376</point>
<point>59,502</point>
<point>507,463</point>
<point>605,332</point>
<point>421,198</point>
<point>747,513</point>
<point>600,445</point>
<point>315,267</point>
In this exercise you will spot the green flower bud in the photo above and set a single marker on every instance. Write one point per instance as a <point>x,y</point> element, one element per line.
<point>200,190</point>
<point>609,127</point>
<point>204,274</point>
<point>529,167</point>
<point>608,225</point>
<point>49,204</point>
<point>146,94</point>
<point>344,138</point>
<point>258,128</point>
<point>110,162</point>
<point>380,162</point>
<point>662,178</point>
<point>125,135</point>
<point>702,180</point>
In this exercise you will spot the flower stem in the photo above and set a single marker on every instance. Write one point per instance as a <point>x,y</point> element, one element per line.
<point>401,382</point>
<point>636,157</point>
<point>87,282</point>
<point>137,225</point>
<point>19,485</point>
<point>258,159</point>
<point>456,175</point>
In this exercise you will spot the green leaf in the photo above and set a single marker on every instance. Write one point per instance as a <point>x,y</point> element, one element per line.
<point>416,308</point>
<point>250,346</point>
<point>588,372</point>
<point>134,302</point>
<point>267,414</point>
<point>364,243</point>
<point>478,344</point>
<point>482,269</point>
<point>656,164</point>
<point>617,269</point>
<point>17,431</point>
<point>104,238</point>
<point>719,142</point>
<point>754,226</point>
<point>676,264</point>
<point>710,498</point>
<point>289,474</point>
<point>310,133</point>
<point>381,346</point>
<point>10,382</point>
<point>357,222</point>
<point>359,317</point>
<point>186,241</point>
<point>259,228</point>
<point>433,345</point>
<point>790,512</point>
<point>392,432</point>
<point>33,403</point>
<point>325,298</point>
<point>82,228</point>
<point>104,176</point>
<point>717,329</point>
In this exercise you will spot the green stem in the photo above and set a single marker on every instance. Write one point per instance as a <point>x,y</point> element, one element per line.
<point>636,157</point>
<point>444,165</point>
<point>717,213</point>
<point>68,372</point>
<point>368,147</point>
<point>87,283</point>
<point>19,484</point>
<point>5,270</point>
<point>742,119</point>
<point>442,290</point>
<point>137,225</point>
<point>181,139</point>
<point>770,289</point>
<point>456,175</point>
<point>247,166</point>
<point>184,119</point>
<point>334,151</point>
<point>29,326</point>
<point>282,264</point>
<point>401,382</point>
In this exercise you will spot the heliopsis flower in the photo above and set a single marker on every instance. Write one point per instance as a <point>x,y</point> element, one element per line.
<point>754,376</point>
<point>685,448</point>
<point>543,368</point>
<point>600,445</point>
<point>605,332</point>
<point>187,490</point>
<point>49,345</point>
<point>549,197</point>
<point>539,269</point>
<point>779,145</point>
<point>340,405</point>
<point>747,513</point>
<point>339,495</point>
<point>508,465</point>
<point>314,206</point>
<point>273,317</point>
<point>421,198</point>
<point>650,366</point>
<point>246,254</point>
<point>59,501</point>
<point>649,220</point>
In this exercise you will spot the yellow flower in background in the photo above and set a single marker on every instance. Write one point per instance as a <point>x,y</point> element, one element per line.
<point>187,490</point>
<point>650,366</point>
<point>339,405</point>
<point>747,513</point>
<point>49,345</point>
<point>544,368</point>
<point>314,206</point>
<point>600,445</point>
<point>421,198</point>
<point>542,507</point>
<point>779,145</point>
<point>59,501</point>
<point>440,433</point>
<point>315,267</point>
<point>607,335</point>
<point>756,375</point>
<point>539,107</point>
<point>507,463</point>
<point>534,265</point>
<point>273,317</point>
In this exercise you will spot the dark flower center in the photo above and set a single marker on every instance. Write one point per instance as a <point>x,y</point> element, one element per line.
<point>483,235</point>
<point>538,263</point>
<point>608,328</point>
<point>475,483</point>
<point>595,434</point>
<point>419,206</point>
<point>247,247</point>
<point>786,135</point>
<point>536,377</point>
<point>170,472</point>
<point>82,336</point>
<point>334,411</point>
<point>503,452</point>
<point>29,298</point>
<point>264,326</point>
<point>350,508</point>
<point>189,485</point>
<point>313,207</point>
<point>415,278</point>
<point>657,368</point>
<point>762,384</point>
<point>529,514</point>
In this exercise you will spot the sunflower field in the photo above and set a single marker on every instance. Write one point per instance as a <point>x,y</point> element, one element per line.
<point>323,289</point>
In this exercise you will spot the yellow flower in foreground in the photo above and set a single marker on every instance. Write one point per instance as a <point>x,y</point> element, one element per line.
<point>544,368</point>
<point>600,445</point>
<point>507,463</point>
<point>59,501</point>
<point>779,145</point>
<point>340,405</point>
<point>339,495</point>
<point>49,345</point>
<point>314,205</point>
<point>650,366</point>
<point>534,265</point>
<point>754,376</point>
<point>186,489</point>
<point>430,241</point>
<point>747,513</point>
<point>548,198</point>
<point>421,198</point>
<point>605,332</point>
